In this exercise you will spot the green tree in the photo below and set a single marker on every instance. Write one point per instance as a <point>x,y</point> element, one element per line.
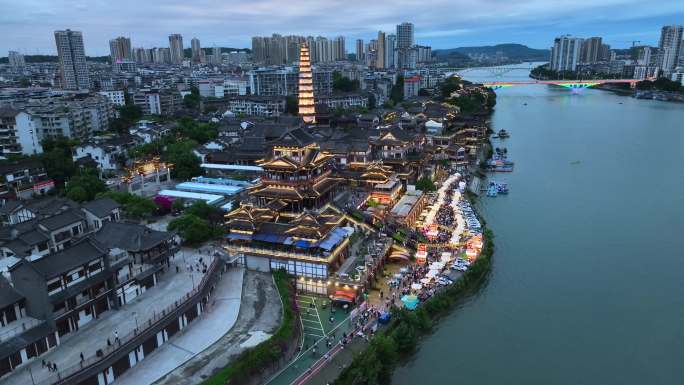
<point>134,206</point>
<point>57,159</point>
<point>397,92</point>
<point>425,184</point>
<point>291,105</point>
<point>344,84</point>
<point>185,162</point>
<point>199,132</point>
<point>77,194</point>
<point>372,103</point>
<point>85,187</point>
<point>128,115</point>
<point>192,100</point>
<point>201,209</point>
<point>178,205</point>
<point>192,228</point>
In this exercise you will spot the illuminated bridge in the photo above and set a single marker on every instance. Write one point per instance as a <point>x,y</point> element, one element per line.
<point>574,84</point>
<point>496,71</point>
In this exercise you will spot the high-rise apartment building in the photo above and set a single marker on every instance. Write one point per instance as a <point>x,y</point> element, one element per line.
<point>424,53</point>
<point>565,53</point>
<point>669,47</point>
<point>591,50</point>
<point>16,60</point>
<point>278,49</point>
<point>142,55</point>
<point>161,55</point>
<point>73,69</point>
<point>391,51</point>
<point>380,52</point>
<point>176,48</point>
<point>360,51</point>
<point>407,55</point>
<point>196,50</point>
<point>216,55</point>
<point>120,49</point>
<point>339,49</point>
<point>405,35</point>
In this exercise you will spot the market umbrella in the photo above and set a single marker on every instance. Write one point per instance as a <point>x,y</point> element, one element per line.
<point>416,286</point>
<point>410,301</point>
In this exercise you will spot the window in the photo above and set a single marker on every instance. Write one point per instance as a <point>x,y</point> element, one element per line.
<point>54,285</point>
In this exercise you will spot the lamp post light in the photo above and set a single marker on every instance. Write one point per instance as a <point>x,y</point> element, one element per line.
<point>135,315</point>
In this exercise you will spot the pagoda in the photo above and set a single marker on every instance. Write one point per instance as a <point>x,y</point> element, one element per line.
<point>307,109</point>
<point>297,174</point>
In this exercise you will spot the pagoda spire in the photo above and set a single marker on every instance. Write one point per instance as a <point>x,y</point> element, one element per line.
<point>307,109</point>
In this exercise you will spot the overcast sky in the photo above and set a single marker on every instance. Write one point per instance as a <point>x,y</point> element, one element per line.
<point>28,25</point>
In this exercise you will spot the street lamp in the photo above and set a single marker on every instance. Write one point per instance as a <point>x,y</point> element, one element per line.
<point>135,315</point>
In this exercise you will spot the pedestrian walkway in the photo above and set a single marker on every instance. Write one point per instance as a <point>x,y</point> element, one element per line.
<point>172,286</point>
<point>217,320</point>
<point>322,328</point>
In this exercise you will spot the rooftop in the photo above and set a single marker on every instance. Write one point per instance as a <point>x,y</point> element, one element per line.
<point>131,236</point>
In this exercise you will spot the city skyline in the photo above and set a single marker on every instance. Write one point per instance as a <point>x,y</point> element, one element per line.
<point>27,26</point>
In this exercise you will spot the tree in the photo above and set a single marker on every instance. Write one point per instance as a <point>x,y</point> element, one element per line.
<point>77,194</point>
<point>206,211</point>
<point>178,205</point>
<point>185,162</point>
<point>199,132</point>
<point>291,105</point>
<point>372,103</point>
<point>128,115</point>
<point>58,160</point>
<point>192,100</point>
<point>192,228</point>
<point>397,92</point>
<point>425,184</point>
<point>344,84</point>
<point>85,187</point>
<point>135,206</point>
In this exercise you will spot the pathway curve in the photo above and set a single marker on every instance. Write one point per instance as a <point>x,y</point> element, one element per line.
<point>199,335</point>
<point>258,318</point>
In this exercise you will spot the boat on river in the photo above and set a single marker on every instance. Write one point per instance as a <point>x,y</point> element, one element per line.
<point>503,134</point>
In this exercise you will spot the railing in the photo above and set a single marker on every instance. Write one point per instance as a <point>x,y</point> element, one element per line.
<point>126,341</point>
<point>25,325</point>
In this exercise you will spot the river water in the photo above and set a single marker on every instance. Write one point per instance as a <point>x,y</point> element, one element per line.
<point>587,285</point>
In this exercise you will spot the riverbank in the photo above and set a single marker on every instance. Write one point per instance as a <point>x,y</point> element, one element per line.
<point>398,340</point>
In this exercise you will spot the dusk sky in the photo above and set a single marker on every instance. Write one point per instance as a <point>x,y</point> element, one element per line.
<point>28,25</point>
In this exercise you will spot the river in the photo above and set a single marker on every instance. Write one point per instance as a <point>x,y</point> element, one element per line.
<point>587,285</point>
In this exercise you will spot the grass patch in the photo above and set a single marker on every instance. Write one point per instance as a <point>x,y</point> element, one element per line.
<point>253,361</point>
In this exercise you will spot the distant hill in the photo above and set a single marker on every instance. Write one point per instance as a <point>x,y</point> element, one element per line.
<point>516,52</point>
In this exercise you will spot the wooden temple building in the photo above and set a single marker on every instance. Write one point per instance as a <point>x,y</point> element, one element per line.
<point>297,174</point>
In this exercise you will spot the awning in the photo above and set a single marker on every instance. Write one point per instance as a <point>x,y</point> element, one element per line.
<point>303,244</point>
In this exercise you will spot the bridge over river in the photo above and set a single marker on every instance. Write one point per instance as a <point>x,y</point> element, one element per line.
<point>500,71</point>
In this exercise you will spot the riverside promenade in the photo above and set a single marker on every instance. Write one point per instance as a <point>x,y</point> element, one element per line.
<point>218,319</point>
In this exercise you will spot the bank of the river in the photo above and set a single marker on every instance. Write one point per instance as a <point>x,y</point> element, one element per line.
<point>398,340</point>
<point>589,289</point>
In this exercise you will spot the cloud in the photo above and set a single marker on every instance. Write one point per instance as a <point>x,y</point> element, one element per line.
<point>28,25</point>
